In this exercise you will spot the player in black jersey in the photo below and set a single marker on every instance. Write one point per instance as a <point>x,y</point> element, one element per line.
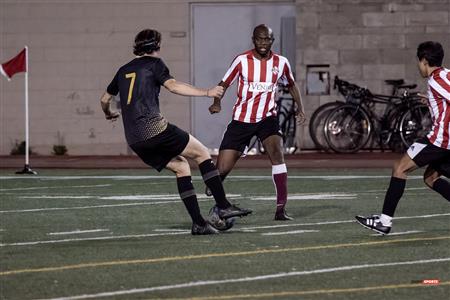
<point>159,143</point>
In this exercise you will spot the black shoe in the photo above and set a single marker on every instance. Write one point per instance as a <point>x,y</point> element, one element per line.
<point>217,222</point>
<point>203,230</point>
<point>373,222</point>
<point>281,215</point>
<point>233,211</point>
<point>208,192</point>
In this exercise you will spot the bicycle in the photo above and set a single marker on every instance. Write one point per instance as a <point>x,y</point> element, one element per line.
<point>349,127</point>
<point>346,89</point>
<point>286,115</point>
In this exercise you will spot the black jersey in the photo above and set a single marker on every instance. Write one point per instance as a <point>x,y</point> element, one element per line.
<point>139,83</point>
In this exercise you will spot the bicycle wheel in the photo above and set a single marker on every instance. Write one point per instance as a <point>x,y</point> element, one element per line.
<point>317,123</point>
<point>255,147</point>
<point>347,128</point>
<point>288,127</point>
<point>414,123</point>
<point>391,134</point>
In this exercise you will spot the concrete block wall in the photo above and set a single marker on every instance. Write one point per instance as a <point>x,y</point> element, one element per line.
<point>77,45</point>
<point>366,42</point>
<point>75,48</point>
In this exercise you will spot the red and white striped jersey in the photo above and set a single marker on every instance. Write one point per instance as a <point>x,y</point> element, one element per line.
<point>439,103</point>
<point>257,85</point>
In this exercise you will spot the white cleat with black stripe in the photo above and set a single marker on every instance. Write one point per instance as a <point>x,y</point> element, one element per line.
<point>374,223</point>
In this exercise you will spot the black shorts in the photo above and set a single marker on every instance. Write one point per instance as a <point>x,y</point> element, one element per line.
<point>239,134</point>
<point>159,150</point>
<point>423,153</point>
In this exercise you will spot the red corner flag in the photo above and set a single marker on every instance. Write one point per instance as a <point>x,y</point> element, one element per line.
<point>16,65</point>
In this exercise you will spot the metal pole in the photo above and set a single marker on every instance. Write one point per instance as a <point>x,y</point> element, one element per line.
<point>27,136</point>
<point>26,169</point>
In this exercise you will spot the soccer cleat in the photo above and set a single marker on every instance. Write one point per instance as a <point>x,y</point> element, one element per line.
<point>373,222</point>
<point>281,215</point>
<point>208,192</point>
<point>203,230</point>
<point>233,211</point>
<point>217,222</point>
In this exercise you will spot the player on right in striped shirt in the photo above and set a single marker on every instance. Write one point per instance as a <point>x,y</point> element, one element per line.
<point>259,71</point>
<point>432,151</point>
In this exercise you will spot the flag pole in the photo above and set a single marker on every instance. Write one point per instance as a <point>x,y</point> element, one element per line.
<point>26,169</point>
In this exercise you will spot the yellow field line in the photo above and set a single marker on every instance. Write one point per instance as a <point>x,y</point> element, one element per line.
<point>212,255</point>
<point>313,292</point>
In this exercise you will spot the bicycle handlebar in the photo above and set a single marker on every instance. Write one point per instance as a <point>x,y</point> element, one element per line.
<point>348,89</point>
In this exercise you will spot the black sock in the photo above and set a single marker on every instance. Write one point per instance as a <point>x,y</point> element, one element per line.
<point>213,181</point>
<point>442,187</point>
<point>187,194</point>
<point>393,195</point>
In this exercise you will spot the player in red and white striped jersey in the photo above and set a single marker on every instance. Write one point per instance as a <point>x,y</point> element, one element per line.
<point>258,73</point>
<point>432,151</point>
<point>439,102</point>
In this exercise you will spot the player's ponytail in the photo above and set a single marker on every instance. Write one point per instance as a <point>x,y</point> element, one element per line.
<point>146,42</point>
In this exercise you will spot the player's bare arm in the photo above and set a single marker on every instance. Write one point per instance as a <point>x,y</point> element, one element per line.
<point>295,93</point>
<point>216,107</point>
<point>105,102</point>
<point>184,89</point>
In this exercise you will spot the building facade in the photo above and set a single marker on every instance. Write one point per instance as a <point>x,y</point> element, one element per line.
<point>76,46</point>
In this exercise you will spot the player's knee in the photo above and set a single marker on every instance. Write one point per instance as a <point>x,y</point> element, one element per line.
<point>429,179</point>
<point>180,167</point>
<point>224,167</point>
<point>276,156</point>
<point>202,154</point>
<point>398,170</point>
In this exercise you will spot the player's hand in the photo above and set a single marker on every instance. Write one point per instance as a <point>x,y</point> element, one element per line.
<point>215,108</point>
<point>301,117</point>
<point>215,92</point>
<point>113,116</point>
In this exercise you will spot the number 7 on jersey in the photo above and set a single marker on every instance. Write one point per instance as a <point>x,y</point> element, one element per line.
<point>130,91</point>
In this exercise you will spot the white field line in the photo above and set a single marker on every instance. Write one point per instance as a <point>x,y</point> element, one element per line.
<point>56,187</point>
<point>172,198</point>
<point>100,238</point>
<point>240,177</point>
<point>325,196</point>
<point>89,207</point>
<point>289,232</point>
<point>124,197</point>
<point>337,222</point>
<point>310,196</point>
<point>169,230</point>
<point>384,191</point>
<point>57,197</point>
<point>175,232</point>
<point>400,233</point>
<point>77,232</point>
<point>249,279</point>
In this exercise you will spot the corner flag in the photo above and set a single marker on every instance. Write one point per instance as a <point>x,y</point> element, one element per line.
<point>15,65</point>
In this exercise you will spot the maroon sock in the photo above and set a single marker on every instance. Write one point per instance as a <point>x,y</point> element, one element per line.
<point>279,176</point>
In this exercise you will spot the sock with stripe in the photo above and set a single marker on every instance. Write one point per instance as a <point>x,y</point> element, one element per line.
<point>442,187</point>
<point>213,181</point>
<point>189,197</point>
<point>279,176</point>
<point>393,195</point>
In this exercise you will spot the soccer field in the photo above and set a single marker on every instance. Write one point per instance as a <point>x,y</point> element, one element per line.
<point>125,234</point>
